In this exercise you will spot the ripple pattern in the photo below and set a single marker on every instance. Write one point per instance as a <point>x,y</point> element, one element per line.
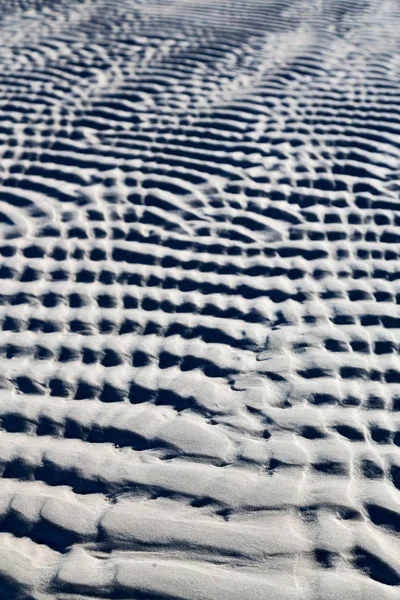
<point>200,299</point>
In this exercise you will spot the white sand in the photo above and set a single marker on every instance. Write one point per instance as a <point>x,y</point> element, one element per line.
<point>200,300</point>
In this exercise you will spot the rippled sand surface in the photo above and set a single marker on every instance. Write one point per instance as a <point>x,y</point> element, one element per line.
<point>199,300</point>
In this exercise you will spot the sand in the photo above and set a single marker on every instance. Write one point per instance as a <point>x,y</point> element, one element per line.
<point>199,300</point>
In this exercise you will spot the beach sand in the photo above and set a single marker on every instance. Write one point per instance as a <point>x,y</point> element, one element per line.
<point>199,300</point>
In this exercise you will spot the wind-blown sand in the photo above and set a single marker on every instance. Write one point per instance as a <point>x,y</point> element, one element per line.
<point>200,300</point>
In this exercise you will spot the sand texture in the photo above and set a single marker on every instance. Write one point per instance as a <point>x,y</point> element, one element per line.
<point>199,300</point>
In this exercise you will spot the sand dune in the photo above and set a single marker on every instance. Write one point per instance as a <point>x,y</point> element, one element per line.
<point>200,300</point>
